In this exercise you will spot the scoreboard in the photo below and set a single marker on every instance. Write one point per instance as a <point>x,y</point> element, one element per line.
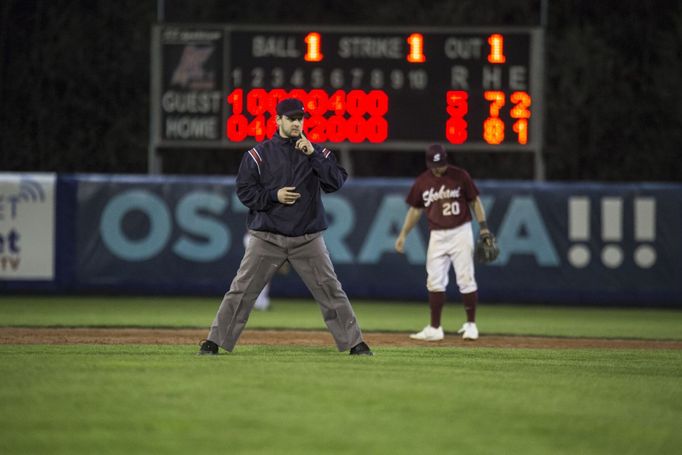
<point>365,87</point>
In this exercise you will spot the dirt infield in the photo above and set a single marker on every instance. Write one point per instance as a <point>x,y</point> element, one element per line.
<point>16,335</point>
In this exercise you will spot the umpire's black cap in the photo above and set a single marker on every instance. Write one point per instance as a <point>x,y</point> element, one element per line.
<point>292,108</point>
<point>436,156</point>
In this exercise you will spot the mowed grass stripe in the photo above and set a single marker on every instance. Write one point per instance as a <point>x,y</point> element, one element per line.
<point>281,399</point>
<point>193,312</point>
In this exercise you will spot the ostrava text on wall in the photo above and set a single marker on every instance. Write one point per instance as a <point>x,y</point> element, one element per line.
<point>560,242</point>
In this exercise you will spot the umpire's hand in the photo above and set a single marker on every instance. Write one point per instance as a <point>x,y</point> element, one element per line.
<point>287,195</point>
<point>304,145</point>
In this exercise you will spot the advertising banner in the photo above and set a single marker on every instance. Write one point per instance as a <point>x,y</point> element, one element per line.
<point>157,234</point>
<point>27,227</point>
<point>560,242</point>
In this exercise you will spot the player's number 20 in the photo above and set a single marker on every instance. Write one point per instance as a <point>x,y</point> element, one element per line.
<point>451,208</point>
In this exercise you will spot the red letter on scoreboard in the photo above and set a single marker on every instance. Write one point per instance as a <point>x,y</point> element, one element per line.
<point>457,108</point>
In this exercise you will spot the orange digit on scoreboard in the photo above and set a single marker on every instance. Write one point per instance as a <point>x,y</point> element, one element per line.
<point>416,53</point>
<point>496,42</point>
<point>314,51</point>
<point>493,126</point>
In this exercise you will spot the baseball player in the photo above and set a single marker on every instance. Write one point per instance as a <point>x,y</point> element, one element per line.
<point>445,192</point>
<point>281,181</point>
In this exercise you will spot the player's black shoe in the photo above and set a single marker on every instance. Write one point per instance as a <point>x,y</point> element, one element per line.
<point>361,349</point>
<point>208,347</point>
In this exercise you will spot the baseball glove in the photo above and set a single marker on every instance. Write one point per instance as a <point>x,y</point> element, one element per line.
<point>486,248</point>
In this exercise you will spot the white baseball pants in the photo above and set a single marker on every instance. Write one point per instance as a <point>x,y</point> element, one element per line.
<point>451,246</point>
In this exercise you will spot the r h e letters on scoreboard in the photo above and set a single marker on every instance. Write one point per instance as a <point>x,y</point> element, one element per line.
<point>374,87</point>
<point>370,86</point>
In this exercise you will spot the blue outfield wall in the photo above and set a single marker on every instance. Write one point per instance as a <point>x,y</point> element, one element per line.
<point>560,242</point>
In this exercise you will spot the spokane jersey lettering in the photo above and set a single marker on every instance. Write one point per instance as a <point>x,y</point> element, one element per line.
<point>445,199</point>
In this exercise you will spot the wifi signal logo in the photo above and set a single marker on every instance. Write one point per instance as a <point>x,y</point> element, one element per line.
<point>30,191</point>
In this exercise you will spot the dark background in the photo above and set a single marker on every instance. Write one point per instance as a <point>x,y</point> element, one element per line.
<point>74,83</point>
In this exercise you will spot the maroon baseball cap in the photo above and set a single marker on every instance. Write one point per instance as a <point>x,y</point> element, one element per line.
<point>292,108</point>
<point>436,156</point>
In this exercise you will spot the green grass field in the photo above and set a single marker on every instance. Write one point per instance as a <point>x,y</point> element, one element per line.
<point>85,399</point>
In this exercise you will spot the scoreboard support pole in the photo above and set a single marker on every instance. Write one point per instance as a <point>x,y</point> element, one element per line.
<point>346,160</point>
<point>539,166</point>
<point>154,160</point>
<point>538,70</point>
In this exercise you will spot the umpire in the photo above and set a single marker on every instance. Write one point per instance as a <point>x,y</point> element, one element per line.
<point>280,180</point>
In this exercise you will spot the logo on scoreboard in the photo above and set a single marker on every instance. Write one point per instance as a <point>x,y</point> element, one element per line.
<point>191,72</point>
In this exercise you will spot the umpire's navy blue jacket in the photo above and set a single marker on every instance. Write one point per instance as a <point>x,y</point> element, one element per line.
<point>275,163</point>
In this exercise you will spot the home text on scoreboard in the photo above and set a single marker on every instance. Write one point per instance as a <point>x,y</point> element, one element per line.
<point>476,88</point>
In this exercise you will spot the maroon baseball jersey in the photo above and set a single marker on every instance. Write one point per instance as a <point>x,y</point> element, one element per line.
<point>445,199</point>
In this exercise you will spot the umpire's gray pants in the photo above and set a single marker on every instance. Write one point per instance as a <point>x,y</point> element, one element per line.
<point>308,255</point>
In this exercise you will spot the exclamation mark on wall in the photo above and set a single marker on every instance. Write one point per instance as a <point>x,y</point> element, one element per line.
<point>579,231</point>
<point>645,231</point>
<point>612,231</point>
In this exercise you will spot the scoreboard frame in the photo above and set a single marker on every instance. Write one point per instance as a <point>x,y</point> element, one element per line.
<point>199,71</point>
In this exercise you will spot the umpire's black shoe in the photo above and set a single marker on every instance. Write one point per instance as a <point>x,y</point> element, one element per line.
<point>361,349</point>
<point>208,347</point>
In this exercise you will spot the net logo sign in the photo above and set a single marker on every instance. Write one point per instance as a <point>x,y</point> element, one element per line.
<point>27,226</point>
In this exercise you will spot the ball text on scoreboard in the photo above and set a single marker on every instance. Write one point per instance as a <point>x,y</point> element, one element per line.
<point>460,87</point>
